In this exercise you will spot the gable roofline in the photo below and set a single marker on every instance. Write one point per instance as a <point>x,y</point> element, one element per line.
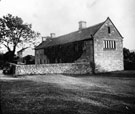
<point>99,27</point>
<point>108,18</point>
<point>115,27</point>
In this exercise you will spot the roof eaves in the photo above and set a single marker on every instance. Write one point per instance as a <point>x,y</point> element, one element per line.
<point>87,38</point>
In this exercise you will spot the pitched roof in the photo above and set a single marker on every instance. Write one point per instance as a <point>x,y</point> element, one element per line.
<point>71,37</point>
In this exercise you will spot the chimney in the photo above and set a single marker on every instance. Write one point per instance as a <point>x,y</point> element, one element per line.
<point>82,25</point>
<point>52,35</point>
<point>43,38</point>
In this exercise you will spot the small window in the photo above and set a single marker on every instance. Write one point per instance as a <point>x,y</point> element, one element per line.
<point>109,44</point>
<point>109,30</point>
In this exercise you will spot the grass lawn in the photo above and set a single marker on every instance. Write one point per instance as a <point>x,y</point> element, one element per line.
<point>59,94</point>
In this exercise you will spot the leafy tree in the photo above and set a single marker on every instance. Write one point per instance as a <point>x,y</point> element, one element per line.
<point>14,32</point>
<point>128,56</point>
<point>129,59</point>
<point>126,53</point>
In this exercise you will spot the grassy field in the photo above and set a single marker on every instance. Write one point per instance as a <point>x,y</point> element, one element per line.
<point>59,94</point>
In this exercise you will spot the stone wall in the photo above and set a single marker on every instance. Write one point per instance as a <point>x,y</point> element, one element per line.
<point>107,60</point>
<point>63,68</point>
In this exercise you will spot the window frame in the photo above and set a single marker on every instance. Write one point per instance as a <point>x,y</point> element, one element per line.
<point>109,44</point>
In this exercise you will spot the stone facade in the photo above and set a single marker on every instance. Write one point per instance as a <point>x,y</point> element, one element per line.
<point>108,59</point>
<point>80,52</point>
<point>63,68</point>
<point>103,49</point>
<point>40,57</point>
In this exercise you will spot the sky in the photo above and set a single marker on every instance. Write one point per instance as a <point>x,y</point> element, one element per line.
<point>62,16</point>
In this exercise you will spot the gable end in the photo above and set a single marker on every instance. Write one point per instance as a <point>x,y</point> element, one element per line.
<point>108,29</point>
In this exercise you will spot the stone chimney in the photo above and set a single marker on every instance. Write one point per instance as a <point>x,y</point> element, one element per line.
<point>52,35</point>
<point>82,25</point>
<point>43,38</point>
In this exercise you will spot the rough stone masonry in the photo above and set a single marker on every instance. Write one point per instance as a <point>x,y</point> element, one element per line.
<point>63,68</point>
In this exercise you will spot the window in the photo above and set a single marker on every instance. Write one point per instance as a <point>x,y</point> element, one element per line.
<point>109,44</point>
<point>109,30</point>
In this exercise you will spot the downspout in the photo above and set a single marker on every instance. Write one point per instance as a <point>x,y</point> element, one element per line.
<point>92,64</point>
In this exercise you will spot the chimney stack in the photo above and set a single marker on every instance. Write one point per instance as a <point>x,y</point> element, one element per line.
<point>43,38</point>
<point>52,35</point>
<point>82,25</point>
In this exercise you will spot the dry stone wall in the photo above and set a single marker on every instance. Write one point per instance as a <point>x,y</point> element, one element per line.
<point>63,68</point>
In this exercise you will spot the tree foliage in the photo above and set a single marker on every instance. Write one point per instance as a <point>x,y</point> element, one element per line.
<point>129,59</point>
<point>14,32</point>
<point>128,56</point>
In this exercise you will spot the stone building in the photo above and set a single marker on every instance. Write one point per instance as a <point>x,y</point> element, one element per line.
<point>23,53</point>
<point>100,45</point>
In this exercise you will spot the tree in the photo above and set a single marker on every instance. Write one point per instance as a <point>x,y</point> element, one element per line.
<point>126,53</point>
<point>14,32</point>
<point>1,60</point>
<point>129,59</point>
<point>128,56</point>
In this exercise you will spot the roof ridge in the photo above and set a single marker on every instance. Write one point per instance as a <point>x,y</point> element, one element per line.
<point>74,36</point>
<point>80,30</point>
<point>96,24</point>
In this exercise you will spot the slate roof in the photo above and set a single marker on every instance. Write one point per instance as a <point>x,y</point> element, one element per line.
<point>79,35</point>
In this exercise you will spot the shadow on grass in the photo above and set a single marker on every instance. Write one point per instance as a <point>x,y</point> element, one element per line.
<point>128,73</point>
<point>28,97</point>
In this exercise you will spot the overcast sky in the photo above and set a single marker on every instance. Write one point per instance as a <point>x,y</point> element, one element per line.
<point>62,16</point>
